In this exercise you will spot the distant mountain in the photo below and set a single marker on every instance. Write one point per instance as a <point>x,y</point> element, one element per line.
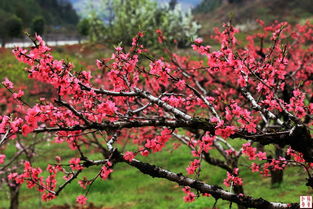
<point>55,12</point>
<point>245,10</point>
<point>243,13</point>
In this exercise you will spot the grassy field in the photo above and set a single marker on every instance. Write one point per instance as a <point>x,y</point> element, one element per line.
<point>128,188</point>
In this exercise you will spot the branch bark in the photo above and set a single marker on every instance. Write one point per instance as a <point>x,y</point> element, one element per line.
<point>215,191</point>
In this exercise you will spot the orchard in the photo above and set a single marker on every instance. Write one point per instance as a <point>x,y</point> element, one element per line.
<point>260,93</point>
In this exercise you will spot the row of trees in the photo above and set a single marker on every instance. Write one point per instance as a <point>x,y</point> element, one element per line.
<point>54,12</point>
<point>106,20</point>
<point>12,27</point>
<point>18,16</point>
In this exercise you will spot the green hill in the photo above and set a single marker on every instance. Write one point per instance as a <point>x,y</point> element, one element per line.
<point>55,12</point>
<point>212,13</point>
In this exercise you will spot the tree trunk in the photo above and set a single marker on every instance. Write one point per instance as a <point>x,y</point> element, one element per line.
<point>260,147</point>
<point>277,175</point>
<point>237,190</point>
<point>276,178</point>
<point>3,42</point>
<point>14,196</point>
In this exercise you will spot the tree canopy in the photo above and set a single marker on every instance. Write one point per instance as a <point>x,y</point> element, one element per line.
<point>55,12</point>
<point>118,21</point>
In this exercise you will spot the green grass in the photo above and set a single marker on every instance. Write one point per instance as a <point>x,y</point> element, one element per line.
<point>11,68</point>
<point>128,188</point>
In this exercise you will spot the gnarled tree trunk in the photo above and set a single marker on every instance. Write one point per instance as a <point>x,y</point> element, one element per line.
<point>14,196</point>
<point>277,175</point>
<point>238,189</point>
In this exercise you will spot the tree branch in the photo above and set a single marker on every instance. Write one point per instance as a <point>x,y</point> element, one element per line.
<point>215,191</point>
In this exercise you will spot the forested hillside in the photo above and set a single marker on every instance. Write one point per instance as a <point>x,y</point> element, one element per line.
<point>212,13</point>
<point>54,12</point>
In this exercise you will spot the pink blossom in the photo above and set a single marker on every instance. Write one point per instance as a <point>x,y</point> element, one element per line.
<point>106,171</point>
<point>2,158</point>
<point>255,167</point>
<point>81,199</point>
<point>190,196</point>
<point>75,164</point>
<point>7,83</point>
<point>198,41</point>
<point>129,156</point>
<point>181,84</point>
<point>225,132</point>
<point>193,166</point>
<point>18,95</point>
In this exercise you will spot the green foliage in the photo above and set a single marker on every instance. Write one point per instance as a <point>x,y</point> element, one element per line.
<point>54,12</point>
<point>130,18</point>
<point>10,27</point>
<point>16,15</point>
<point>120,20</point>
<point>177,25</point>
<point>12,69</point>
<point>83,27</point>
<point>128,188</point>
<point>97,30</point>
<point>13,26</point>
<point>59,12</point>
<point>38,25</point>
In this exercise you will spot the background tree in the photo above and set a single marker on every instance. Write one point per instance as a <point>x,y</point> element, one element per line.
<point>54,12</point>
<point>38,26</point>
<point>122,20</point>
<point>10,27</point>
<point>83,28</point>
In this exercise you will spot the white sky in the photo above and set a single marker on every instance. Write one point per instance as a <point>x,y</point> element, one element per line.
<point>186,4</point>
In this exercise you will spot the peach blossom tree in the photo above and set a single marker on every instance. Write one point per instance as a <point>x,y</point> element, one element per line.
<point>260,93</point>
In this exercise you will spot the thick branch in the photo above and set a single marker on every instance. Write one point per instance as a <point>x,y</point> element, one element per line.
<point>257,107</point>
<point>298,138</point>
<point>215,191</point>
<point>70,107</point>
<point>164,105</point>
<point>107,92</point>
